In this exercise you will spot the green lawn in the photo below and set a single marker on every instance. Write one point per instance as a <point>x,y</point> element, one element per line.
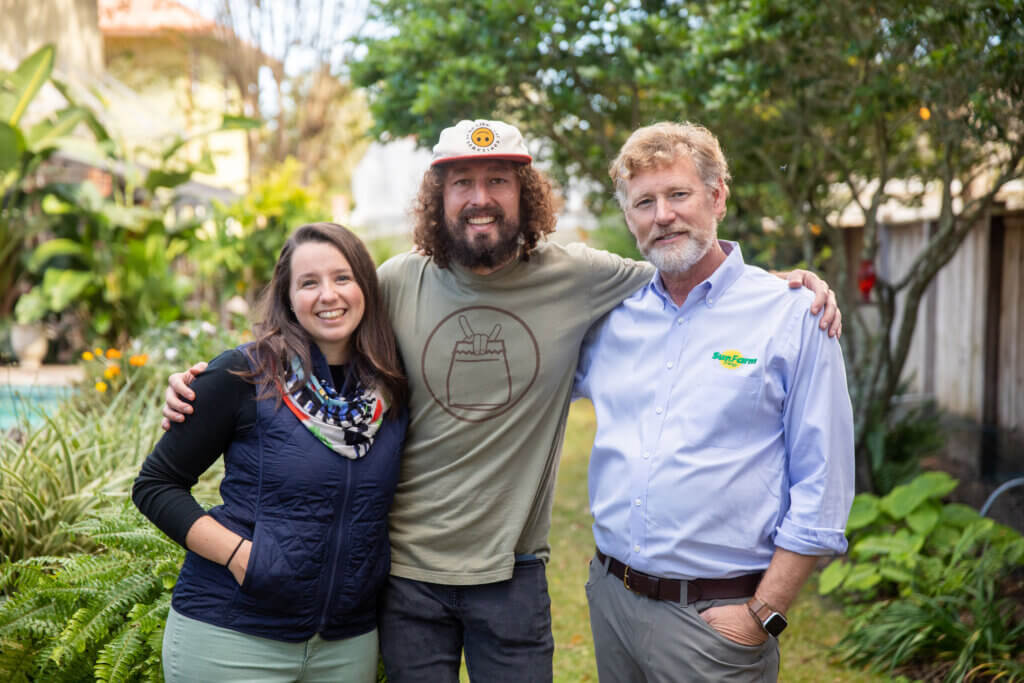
<point>814,624</point>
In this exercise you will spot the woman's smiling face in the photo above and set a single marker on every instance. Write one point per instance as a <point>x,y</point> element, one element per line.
<point>325,298</point>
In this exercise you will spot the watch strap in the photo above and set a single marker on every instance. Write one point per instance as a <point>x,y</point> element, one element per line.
<point>761,611</point>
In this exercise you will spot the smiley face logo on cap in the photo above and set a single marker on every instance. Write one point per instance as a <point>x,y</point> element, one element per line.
<point>482,138</point>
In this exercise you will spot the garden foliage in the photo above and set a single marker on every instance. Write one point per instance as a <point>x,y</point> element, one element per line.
<point>53,474</point>
<point>828,112</point>
<point>84,580</point>
<point>22,150</point>
<point>234,252</point>
<point>88,451</point>
<point>930,585</point>
<point>106,253</point>
<point>90,616</point>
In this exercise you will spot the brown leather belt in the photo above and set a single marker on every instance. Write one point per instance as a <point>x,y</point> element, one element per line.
<point>657,588</point>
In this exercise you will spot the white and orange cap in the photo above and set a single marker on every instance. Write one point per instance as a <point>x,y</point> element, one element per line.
<point>480,139</point>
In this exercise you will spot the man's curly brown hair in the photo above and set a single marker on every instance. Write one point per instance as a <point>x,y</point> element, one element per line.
<point>537,212</point>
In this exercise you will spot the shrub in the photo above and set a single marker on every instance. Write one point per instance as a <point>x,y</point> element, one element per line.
<point>53,473</point>
<point>94,616</point>
<point>946,584</point>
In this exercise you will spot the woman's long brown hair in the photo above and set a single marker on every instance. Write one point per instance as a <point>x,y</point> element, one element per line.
<point>279,336</point>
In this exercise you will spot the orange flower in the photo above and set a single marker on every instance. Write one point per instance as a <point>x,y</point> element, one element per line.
<point>101,387</point>
<point>924,113</point>
<point>87,355</point>
<point>138,360</point>
<point>113,354</point>
<point>112,371</point>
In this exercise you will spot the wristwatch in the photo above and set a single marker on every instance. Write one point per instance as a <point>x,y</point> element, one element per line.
<point>771,620</point>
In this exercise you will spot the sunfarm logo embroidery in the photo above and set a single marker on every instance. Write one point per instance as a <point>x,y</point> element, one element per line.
<point>732,359</point>
<point>482,138</point>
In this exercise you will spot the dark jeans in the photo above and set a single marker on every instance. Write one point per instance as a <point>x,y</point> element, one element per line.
<point>504,627</point>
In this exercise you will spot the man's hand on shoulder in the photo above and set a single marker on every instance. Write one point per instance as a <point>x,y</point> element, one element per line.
<point>824,298</point>
<point>735,623</point>
<point>178,393</point>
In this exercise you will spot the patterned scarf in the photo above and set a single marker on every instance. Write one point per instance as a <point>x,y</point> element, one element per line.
<point>344,423</point>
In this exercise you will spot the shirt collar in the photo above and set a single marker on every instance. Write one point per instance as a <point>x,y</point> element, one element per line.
<point>710,290</point>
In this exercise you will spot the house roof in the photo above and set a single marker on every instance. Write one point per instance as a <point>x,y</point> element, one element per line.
<point>148,17</point>
<point>911,202</point>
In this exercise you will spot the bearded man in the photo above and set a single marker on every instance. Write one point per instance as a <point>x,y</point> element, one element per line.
<point>489,319</point>
<point>729,471</point>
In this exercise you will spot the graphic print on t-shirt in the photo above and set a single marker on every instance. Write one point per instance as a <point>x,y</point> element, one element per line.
<point>479,362</point>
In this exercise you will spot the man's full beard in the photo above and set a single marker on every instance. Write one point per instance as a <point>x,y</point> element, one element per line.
<point>476,251</point>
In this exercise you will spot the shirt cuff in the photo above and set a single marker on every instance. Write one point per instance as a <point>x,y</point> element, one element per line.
<point>805,540</point>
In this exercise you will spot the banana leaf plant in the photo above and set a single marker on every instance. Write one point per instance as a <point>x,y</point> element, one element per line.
<point>22,151</point>
<point>106,258</point>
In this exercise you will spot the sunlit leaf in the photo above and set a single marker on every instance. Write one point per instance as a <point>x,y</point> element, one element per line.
<point>833,576</point>
<point>924,518</point>
<point>47,132</point>
<point>12,145</point>
<point>863,576</point>
<point>864,511</point>
<point>19,87</point>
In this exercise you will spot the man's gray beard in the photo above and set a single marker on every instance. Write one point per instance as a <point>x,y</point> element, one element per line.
<point>679,259</point>
<point>469,254</point>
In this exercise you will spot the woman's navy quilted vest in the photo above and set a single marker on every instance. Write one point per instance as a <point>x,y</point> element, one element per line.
<point>318,523</point>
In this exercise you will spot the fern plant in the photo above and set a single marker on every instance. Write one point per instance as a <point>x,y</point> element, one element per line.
<point>88,617</point>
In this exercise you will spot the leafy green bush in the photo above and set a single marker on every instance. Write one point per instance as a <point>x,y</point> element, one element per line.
<point>23,150</point>
<point>93,616</point>
<point>53,473</point>
<point>236,250</point>
<point>172,346</point>
<point>112,258</point>
<point>945,582</point>
<point>966,627</point>
<point>111,262</point>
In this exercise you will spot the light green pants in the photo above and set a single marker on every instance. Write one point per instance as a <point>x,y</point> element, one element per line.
<point>196,652</point>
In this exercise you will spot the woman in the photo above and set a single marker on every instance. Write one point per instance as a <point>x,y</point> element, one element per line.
<point>280,581</point>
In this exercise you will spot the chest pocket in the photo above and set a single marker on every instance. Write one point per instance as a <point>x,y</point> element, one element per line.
<point>719,409</point>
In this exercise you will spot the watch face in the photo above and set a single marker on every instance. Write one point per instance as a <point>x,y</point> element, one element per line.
<point>775,624</point>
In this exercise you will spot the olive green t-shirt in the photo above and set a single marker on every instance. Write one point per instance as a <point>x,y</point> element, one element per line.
<point>490,360</point>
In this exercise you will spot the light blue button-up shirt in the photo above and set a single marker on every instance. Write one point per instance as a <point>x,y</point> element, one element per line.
<point>724,427</point>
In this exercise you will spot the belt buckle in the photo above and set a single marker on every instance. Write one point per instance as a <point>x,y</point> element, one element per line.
<point>625,579</point>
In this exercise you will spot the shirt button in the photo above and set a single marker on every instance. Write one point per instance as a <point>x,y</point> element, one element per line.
<point>658,411</point>
<point>710,301</point>
<point>637,502</point>
<point>679,321</point>
<point>647,454</point>
<point>636,549</point>
<point>669,365</point>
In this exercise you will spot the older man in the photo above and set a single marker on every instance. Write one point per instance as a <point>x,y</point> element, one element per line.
<point>726,469</point>
<point>489,319</point>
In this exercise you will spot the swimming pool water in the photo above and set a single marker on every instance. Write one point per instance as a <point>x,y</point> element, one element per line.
<point>31,401</point>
